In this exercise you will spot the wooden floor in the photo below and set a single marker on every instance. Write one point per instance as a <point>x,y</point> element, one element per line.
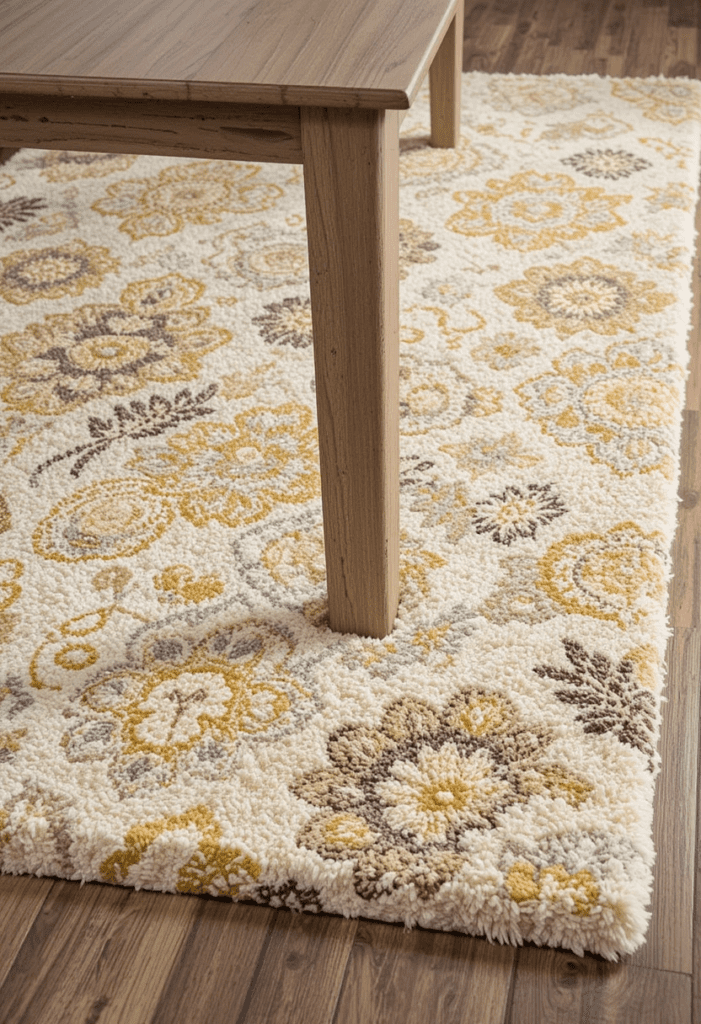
<point>72,954</point>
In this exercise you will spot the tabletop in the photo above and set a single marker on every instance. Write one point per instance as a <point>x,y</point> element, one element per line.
<point>336,53</point>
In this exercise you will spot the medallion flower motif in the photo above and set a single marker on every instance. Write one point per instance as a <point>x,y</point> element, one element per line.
<point>618,575</point>
<point>63,269</point>
<point>586,295</point>
<point>672,101</point>
<point>198,193</point>
<point>534,211</point>
<point>398,799</point>
<point>606,163</point>
<point>620,407</point>
<point>238,472</point>
<point>531,97</point>
<point>65,165</point>
<point>154,333</point>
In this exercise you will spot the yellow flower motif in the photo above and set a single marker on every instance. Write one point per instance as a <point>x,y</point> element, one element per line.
<point>196,193</point>
<point>586,295</point>
<point>436,395</point>
<point>63,269</point>
<point>531,97</point>
<point>673,196</point>
<point>154,334</point>
<point>238,472</point>
<point>578,891</point>
<point>294,555</point>
<point>11,570</point>
<point>487,455</point>
<point>504,351</point>
<point>179,583</point>
<point>619,406</point>
<point>109,519</point>
<point>618,576</point>
<point>534,211</point>
<point>213,868</point>
<point>440,789</point>
<point>597,126</point>
<point>672,101</point>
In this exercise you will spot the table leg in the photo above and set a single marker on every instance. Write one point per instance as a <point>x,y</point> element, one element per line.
<point>445,84</point>
<point>351,181</point>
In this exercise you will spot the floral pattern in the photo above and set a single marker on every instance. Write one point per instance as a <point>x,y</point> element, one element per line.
<point>397,799</point>
<point>154,333</point>
<point>619,406</point>
<point>170,686</point>
<point>199,193</point>
<point>534,211</point>
<point>586,295</point>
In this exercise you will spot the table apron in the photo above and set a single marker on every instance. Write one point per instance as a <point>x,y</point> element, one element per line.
<point>217,131</point>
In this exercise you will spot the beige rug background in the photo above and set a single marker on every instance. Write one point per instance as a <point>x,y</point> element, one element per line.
<point>175,713</point>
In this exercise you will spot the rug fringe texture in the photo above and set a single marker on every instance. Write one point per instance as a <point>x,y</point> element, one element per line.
<point>175,713</point>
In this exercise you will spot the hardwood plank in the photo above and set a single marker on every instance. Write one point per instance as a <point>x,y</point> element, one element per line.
<point>211,977</point>
<point>351,183</point>
<point>424,976</point>
<point>445,79</point>
<point>21,900</point>
<point>96,950</point>
<point>301,971</point>
<point>670,935</point>
<point>216,131</point>
<point>553,987</point>
<point>290,52</point>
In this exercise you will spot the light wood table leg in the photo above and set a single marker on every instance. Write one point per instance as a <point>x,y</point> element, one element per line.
<point>351,183</point>
<point>445,83</point>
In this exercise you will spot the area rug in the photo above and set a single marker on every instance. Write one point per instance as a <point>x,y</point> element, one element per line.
<point>175,712</point>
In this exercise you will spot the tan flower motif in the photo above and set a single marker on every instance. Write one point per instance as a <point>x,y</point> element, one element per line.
<point>196,193</point>
<point>64,269</point>
<point>672,101</point>
<point>415,246</point>
<point>580,296</point>
<point>399,800</point>
<point>420,162</point>
<point>449,505</point>
<point>596,126</point>
<point>620,407</point>
<point>534,211</point>
<point>288,322</point>
<point>618,575</point>
<point>435,395</point>
<point>213,867</point>
<point>153,334</point>
<point>261,255</point>
<point>62,165</point>
<point>238,472</point>
<point>531,97</point>
<point>606,163</point>
<point>673,196</point>
<point>516,597</point>
<point>488,455</point>
<point>504,351</point>
<point>109,519</point>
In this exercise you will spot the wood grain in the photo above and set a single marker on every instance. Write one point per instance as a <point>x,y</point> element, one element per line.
<point>21,900</point>
<point>445,81</point>
<point>92,952</point>
<point>351,184</point>
<point>394,976</point>
<point>301,971</point>
<point>558,988</point>
<point>217,131</point>
<point>293,52</point>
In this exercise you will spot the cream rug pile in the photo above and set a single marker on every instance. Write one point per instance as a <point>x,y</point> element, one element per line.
<point>175,713</point>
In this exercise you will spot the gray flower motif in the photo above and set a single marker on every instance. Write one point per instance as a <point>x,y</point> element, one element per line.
<point>607,696</point>
<point>606,163</point>
<point>287,323</point>
<point>517,512</point>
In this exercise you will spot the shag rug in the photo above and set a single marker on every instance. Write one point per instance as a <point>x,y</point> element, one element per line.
<point>175,712</point>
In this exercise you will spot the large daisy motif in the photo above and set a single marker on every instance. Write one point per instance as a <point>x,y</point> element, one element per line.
<point>154,334</point>
<point>400,799</point>
<point>534,211</point>
<point>580,296</point>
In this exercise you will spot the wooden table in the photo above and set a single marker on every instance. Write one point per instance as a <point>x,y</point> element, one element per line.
<point>317,82</point>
